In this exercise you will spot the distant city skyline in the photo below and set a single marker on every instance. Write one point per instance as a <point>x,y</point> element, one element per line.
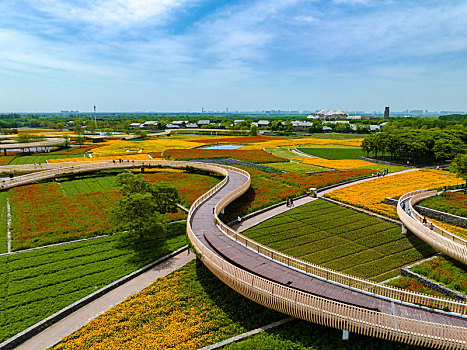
<point>256,55</point>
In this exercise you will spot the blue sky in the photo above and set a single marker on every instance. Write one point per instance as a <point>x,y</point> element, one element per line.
<point>184,55</point>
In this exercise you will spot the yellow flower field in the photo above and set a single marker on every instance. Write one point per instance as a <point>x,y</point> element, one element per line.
<point>120,147</point>
<point>334,164</point>
<point>302,142</point>
<point>370,194</point>
<point>141,156</point>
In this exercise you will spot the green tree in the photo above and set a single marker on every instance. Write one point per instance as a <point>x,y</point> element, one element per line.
<point>66,142</point>
<point>78,129</point>
<point>448,147</point>
<point>459,166</point>
<point>141,205</point>
<point>253,130</point>
<point>80,140</point>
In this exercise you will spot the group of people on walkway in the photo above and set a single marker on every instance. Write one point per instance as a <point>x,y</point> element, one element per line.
<point>122,161</point>
<point>289,202</point>
<point>424,221</point>
<point>380,173</point>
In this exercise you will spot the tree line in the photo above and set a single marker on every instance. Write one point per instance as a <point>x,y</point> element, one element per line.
<point>418,146</point>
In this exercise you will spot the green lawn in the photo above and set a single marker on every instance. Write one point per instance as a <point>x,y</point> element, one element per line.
<point>34,285</point>
<point>342,239</point>
<point>283,153</point>
<point>40,158</point>
<point>96,183</point>
<point>3,222</point>
<point>334,153</point>
<point>295,167</point>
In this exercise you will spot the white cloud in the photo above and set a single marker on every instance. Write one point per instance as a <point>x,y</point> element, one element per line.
<point>122,13</point>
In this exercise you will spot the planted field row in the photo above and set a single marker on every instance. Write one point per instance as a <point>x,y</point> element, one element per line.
<point>36,284</point>
<point>341,239</point>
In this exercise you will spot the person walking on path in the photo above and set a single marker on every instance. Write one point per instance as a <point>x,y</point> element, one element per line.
<point>291,202</point>
<point>424,221</point>
<point>287,202</point>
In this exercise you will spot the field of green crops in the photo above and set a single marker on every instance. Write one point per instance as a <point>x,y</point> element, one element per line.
<point>34,285</point>
<point>90,183</point>
<point>334,153</point>
<point>282,152</point>
<point>341,239</point>
<point>295,167</point>
<point>39,158</point>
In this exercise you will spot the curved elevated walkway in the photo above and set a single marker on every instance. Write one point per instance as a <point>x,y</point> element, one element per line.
<point>447,242</point>
<point>295,287</point>
<point>302,295</point>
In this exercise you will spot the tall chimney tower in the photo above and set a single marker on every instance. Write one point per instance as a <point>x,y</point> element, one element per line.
<point>386,113</point>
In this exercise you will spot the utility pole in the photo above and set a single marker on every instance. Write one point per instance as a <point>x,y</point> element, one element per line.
<point>95,117</point>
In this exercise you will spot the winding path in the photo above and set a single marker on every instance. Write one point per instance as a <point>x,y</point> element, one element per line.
<point>295,287</point>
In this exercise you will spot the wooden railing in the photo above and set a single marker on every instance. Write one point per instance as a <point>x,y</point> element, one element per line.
<point>321,310</point>
<point>447,242</point>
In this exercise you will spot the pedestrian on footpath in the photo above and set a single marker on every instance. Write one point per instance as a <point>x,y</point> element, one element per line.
<point>291,202</point>
<point>424,221</point>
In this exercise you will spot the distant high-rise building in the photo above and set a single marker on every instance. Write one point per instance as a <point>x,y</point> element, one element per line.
<point>386,113</point>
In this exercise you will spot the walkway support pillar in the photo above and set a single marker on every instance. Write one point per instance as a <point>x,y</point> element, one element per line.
<point>345,334</point>
<point>404,229</point>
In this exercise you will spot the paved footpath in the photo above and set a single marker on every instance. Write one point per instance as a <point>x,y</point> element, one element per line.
<point>257,219</point>
<point>53,334</point>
